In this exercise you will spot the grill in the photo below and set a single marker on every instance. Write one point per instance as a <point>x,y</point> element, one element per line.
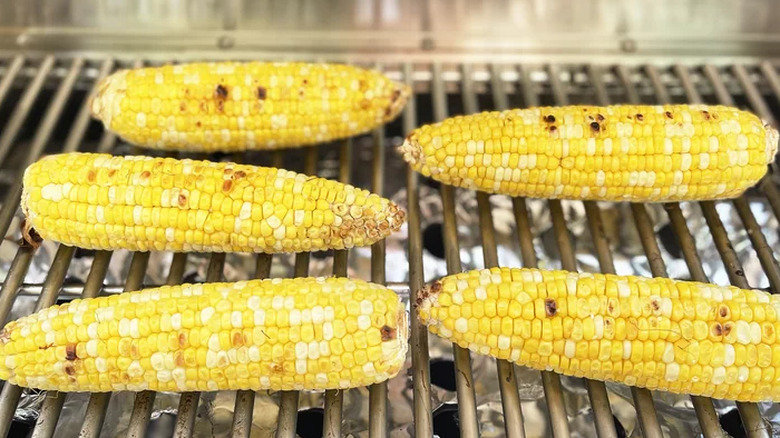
<point>43,110</point>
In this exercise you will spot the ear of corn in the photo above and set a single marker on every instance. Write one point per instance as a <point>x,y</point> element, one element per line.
<point>140,203</point>
<point>677,336</point>
<point>303,333</point>
<point>617,153</point>
<point>229,106</point>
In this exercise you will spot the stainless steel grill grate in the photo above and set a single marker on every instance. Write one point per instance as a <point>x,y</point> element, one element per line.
<point>43,110</point>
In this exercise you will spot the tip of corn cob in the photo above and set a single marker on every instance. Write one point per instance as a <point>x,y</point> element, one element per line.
<point>106,101</point>
<point>772,138</point>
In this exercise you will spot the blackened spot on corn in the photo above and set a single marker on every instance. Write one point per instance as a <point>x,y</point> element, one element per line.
<point>198,124</point>
<point>550,307</point>
<point>182,200</point>
<point>723,311</point>
<point>227,185</point>
<point>717,329</point>
<point>436,287</point>
<point>239,174</point>
<point>706,114</point>
<point>70,352</point>
<point>727,328</point>
<point>221,92</point>
<point>396,95</point>
<point>305,81</point>
<point>220,105</point>
<point>91,176</point>
<point>553,128</point>
<point>46,346</point>
<point>668,115</point>
<point>595,127</point>
<point>261,93</point>
<point>183,106</point>
<point>388,333</point>
<point>69,370</point>
<point>599,117</point>
<point>549,118</point>
<point>655,304</point>
<point>640,117</point>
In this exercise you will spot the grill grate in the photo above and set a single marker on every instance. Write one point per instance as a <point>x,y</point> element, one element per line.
<point>443,90</point>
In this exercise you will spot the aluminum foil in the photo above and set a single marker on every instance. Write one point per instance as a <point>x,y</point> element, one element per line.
<point>215,412</point>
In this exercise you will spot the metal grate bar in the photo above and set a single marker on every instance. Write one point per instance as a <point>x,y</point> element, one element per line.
<point>760,245</point>
<point>643,399</point>
<point>14,278</point>
<point>418,340</point>
<point>9,396</point>
<point>43,132</point>
<point>597,390</point>
<point>464,381</point>
<point>753,96</point>
<point>188,402</point>
<point>144,400</point>
<point>79,127</point>
<point>10,74</point>
<point>703,406</point>
<point>24,106</point>
<point>334,398</point>
<point>245,399</point>
<point>288,403</point>
<point>377,393</point>
<point>551,382</point>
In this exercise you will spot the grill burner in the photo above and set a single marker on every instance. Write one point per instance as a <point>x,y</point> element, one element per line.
<point>43,110</point>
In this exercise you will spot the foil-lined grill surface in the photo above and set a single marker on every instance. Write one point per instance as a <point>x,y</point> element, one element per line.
<point>215,412</point>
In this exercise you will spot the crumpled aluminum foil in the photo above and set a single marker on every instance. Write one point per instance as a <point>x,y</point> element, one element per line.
<point>215,412</point>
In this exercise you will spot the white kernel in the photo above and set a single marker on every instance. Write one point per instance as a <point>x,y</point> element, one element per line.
<point>590,148</point>
<point>714,144</point>
<point>277,302</point>
<point>317,315</point>
<point>600,178</point>
<point>626,349</point>
<point>598,325</point>
<point>728,355</point>
<point>134,331</point>
<point>363,322</point>
<point>140,120</point>
<point>327,331</point>
<point>685,162</point>
<point>328,313</point>
<point>206,314</point>
<point>704,161</point>
<point>52,192</point>
<point>366,307</point>
<point>253,353</point>
<point>569,348</point>
<point>480,293</point>
<point>672,372</point>
<point>624,290</point>
<point>301,350</point>
<point>461,325</point>
<point>755,333</point>
<point>743,332</point>
<point>92,347</point>
<point>471,148</point>
<point>503,342</point>
<point>157,361</point>
<point>742,374</point>
<point>124,327</point>
<point>101,364</point>
<point>742,141</point>
<point>314,350</point>
<point>668,356</point>
<point>300,366</point>
<point>607,146</point>
<point>237,319</point>
<point>678,177</point>
<point>213,343</point>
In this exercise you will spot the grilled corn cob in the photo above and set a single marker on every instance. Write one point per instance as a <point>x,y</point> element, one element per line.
<point>617,153</point>
<point>677,336</point>
<point>302,333</point>
<point>140,203</point>
<point>230,106</point>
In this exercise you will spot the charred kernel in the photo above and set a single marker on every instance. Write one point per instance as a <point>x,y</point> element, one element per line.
<point>668,115</point>
<point>550,119</point>
<point>599,117</point>
<point>550,307</point>
<point>221,92</point>
<point>595,127</point>
<point>262,93</point>
<point>70,352</point>
<point>388,333</point>
<point>706,114</point>
<point>640,117</point>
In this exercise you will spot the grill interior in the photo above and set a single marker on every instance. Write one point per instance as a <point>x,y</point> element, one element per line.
<point>43,110</point>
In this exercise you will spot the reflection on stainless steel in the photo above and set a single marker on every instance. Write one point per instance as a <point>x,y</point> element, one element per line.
<point>42,111</point>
